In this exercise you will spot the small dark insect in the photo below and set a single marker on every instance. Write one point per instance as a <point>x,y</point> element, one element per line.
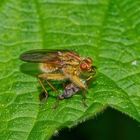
<point>62,65</point>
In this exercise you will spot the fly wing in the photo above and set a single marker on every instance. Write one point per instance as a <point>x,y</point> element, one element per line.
<point>41,56</point>
<point>57,58</point>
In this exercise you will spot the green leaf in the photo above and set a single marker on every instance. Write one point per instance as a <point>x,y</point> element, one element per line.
<point>106,30</point>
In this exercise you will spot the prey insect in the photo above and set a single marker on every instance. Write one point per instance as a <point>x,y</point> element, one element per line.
<point>62,65</point>
<point>69,90</point>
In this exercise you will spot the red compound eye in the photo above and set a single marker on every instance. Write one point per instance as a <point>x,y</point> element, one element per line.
<point>84,66</point>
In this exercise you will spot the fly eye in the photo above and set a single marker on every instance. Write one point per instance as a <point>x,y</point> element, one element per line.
<point>84,66</point>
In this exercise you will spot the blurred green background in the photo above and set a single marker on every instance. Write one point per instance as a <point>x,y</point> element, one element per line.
<point>108,125</point>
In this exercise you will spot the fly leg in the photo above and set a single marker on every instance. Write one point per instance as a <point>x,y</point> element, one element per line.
<point>42,85</point>
<point>81,84</point>
<point>44,93</point>
<point>87,82</point>
<point>51,76</point>
<point>84,98</point>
